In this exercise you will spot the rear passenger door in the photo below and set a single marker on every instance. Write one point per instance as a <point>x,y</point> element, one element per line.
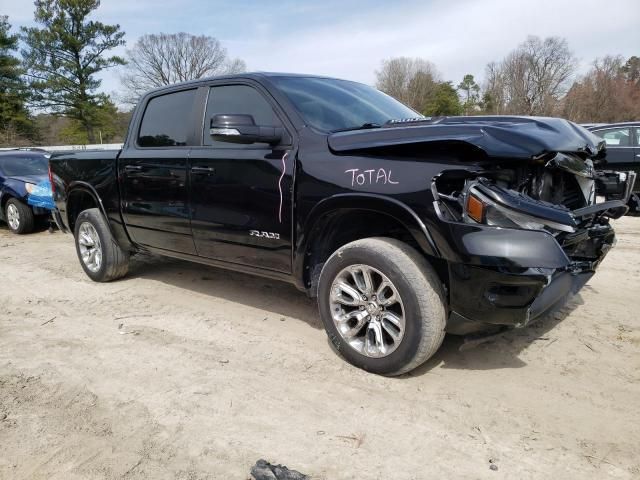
<point>154,180</point>
<point>241,195</point>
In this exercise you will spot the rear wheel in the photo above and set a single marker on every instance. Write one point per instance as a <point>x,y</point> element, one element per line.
<point>382,305</point>
<point>19,217</point>
<point>101,257</point>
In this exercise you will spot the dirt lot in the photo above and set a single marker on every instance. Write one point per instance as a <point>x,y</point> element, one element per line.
<point>183,371</point>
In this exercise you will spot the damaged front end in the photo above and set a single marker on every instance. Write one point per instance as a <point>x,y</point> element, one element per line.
<point>526,234</point>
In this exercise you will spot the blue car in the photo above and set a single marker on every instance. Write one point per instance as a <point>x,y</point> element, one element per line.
<point>21,174</point>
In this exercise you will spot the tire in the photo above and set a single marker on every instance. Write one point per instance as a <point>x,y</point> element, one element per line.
<point>19,217</point>
<point>413,337</point>
<point>93,239</point>
<point>634,205</point>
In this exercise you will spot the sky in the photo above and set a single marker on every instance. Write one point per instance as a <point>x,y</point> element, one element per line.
<point>349,39</point>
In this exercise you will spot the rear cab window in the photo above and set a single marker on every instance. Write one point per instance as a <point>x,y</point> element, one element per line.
<point>167,120</point>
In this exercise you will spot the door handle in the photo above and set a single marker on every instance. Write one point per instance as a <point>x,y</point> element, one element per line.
<point>203,170</point>
<point>638,155</point>
<point>132,168</point>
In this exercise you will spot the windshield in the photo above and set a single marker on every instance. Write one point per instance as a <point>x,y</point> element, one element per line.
<point>24,165</point>
<point>331,105</point>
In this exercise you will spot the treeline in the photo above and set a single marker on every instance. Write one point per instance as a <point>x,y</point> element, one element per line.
<point>49,86</point>
<point>50,91</point>
<point>539,77</point>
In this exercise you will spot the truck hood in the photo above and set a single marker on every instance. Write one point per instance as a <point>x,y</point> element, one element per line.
<point>497,136</point>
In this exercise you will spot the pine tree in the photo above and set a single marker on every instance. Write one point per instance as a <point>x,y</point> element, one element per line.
<point>471,92</point>
<point>445,101</point>
<point>15,121</point>
<point>63,56</point>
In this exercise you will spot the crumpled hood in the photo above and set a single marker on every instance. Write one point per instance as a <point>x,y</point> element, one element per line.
<point>497,136</point>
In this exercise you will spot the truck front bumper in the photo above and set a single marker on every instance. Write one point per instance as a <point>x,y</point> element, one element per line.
<point>487,292</point>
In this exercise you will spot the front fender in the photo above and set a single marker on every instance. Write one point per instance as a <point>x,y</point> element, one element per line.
<point>360,201</point>
<point>15,189</point>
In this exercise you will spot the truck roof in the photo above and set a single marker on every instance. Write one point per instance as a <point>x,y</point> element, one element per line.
<point>247,75</point>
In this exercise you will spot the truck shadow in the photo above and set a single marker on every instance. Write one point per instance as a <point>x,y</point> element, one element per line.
<point>40,226</point>
<point>283,300</point>
<point>278,298</point>
<point>502,350</point>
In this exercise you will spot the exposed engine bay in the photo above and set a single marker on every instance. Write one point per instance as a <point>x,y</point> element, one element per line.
<point>554,192</point>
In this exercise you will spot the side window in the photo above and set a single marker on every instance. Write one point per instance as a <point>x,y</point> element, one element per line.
<point>237,99</point>
<point>166,120</point>
<point>637,136</point>
<point>616,137</point>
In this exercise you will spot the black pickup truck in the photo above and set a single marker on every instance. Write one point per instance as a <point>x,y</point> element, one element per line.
<point>403,227</point>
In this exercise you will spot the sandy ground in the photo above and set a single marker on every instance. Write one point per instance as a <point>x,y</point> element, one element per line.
<point>183,371</point>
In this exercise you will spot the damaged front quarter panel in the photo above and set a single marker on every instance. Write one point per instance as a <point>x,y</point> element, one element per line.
<point>512,279</point>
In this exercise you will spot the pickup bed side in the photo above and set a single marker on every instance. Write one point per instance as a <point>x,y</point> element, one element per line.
<point>85,180</point>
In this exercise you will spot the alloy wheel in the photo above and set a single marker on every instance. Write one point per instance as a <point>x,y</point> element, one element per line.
<point>367,310</point>
<point>90,246</point>
<point>13,217</point>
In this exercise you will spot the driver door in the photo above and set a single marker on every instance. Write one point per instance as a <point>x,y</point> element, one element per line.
<point>241,194</point>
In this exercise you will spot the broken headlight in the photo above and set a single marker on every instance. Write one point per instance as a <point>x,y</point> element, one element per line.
<point>480,208</point>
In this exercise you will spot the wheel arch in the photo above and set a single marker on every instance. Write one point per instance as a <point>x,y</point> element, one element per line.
<point>4,198</point>
<point>343,218</point>
<point>7,194</point>
<point>82,196</point>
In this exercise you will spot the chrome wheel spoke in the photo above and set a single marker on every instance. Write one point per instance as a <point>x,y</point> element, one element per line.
<point>393,319</point>
<point>386,294</point>
<point>374,344</point>
<point>392,325</point>
<point>363,280</point>
<point>352,297</point>
<point>85,240</point>
<point>377,337</point>
<point>361,320</point>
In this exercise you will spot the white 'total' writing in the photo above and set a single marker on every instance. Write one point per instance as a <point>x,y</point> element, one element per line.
<point>370,177</point>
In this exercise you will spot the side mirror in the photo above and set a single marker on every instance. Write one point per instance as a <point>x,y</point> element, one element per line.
<point>239,128</point>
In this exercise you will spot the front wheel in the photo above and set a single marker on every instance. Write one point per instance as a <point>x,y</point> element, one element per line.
<point>382,305</point>
<point>101,257</point>
<point>19,217</point>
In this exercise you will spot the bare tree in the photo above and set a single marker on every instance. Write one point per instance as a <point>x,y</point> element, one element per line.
<point>413,81</point>
<point>605,94</point>
<point>533,78</point>
<point>493,99</point>
<point>163,59</point>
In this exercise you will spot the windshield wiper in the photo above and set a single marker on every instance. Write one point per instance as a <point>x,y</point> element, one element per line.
<point>364,126</point>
